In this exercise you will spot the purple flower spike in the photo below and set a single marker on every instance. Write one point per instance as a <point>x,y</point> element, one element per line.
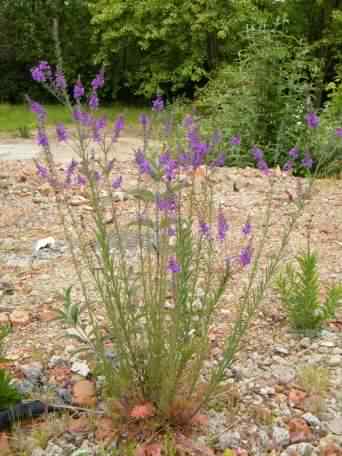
<point>204,229</point>
<point>42,171</point>
<point>143,164</point>
<point>257,153</point>
<point>93,101</point>
<point>144,120</point>
<point>78,90</point>
<point>42,139</point>
<point>62,134</point>
<point>98,82</point>
<point>339,132</point>
<point>220,160</point>
<point>307,161</point>
<point>245,256</point>
<point>81,180</point>
<point>70,170</point>
<point>117,183</point>
<point>247,229</point>
<point>167,204</point>
<point>158,104</point>
<point>312,120</point>
<point>235,140</point>
<point>173,266</point>
<point>118,126</point>
<point>38,109</point>
<point>60,81</point>
<point>171,231</point>
<point>222,226</point>
<point>41,72</point>
<point>263,167</point>
<point>294,152</point>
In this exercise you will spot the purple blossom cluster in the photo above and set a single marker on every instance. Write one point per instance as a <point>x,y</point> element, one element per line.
<point>258,156</point>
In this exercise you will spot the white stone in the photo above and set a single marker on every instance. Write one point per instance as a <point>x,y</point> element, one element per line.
<point>80,368</point>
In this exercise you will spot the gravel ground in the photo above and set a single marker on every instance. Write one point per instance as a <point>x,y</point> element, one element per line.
<point>271,407</point>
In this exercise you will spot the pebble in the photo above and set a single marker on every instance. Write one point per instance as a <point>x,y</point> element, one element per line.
<point>312,420</point>
<point>65,395</point>
<point>300,449</point>
<point>54,450</point>
<point>81,368</point>
<point>335,360</point>
<point>281,436</point>
<point>335,426</point>
<point>20,318</point>
<point>229,439</point>
<point>33,372</point>
<point>84,393</point>
<point>284,374</point>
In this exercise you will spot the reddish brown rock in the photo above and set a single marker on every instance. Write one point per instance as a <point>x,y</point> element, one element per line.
<point>59,375</point>
<point>299,431</point>
<point>296,398</point>
<point>5,448</point>
<point>331,450</point>
<point>20,318</point>
<point>84,393</point>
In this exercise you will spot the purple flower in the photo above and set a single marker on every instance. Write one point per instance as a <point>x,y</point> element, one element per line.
<point>339,132</point>
<point>220,160</point>
<point>118,126</point>
<point>294,152</point>
<point>93,101</point>
<point>170,166</point>
<point>222,226</point>
<point>173,266</point>
<point>78,90</point>
<point>288,166</point>
<point>188,121</point>
<point>144,120</point>
<point>143,164</point>
<point>42,139</point>
<point>235,140</point>
<point>247,229</point>
<point>41,71</point>
<point>257,153</point>
<point>98,82</point>
<point>81,180</point>
<point>166,204</point>
<point>38,109</point>
<point>42,171</point>
<point>312,120</point>
<point>83,117</point>
<point>117,183</point>
<point>158,104</point>
<point>307,161</point>
<point>245,256</point>
<point>204,229</point>
<point>62,134</point>
<point>60,81</point>
<point>263,167</point>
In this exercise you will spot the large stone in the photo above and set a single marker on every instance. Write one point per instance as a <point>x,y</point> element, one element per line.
<point>84,393</point>
<point>299,431</point>
<point>20,318</point>
<point>284,374</point>
<point>280,436</point>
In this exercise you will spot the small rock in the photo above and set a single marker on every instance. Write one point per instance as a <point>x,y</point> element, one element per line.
<point>300,449</point>
<point>331,450</point>
<point>120,196</point>
<point>38,452</point>
<point>81,368</point>
<point>281,436</point>
<point>20,318</point>
<point>230,439</point>
<point>335,426</point>
<point>33,372</point>
<point>299,430</point>
<point>284,374</point>
<point>56,361</point>
<point>45,243</point>
<point>54,450</point>
<point>84,393</point>
<point>4,443</point>
<point>296,398</point>
<point>312,420</point>
<point>305,342</point>
<point>280,350</point>
<point>78,200</point>
<point>335,360</point>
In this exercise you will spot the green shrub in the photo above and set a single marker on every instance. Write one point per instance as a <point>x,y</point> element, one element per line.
<point>264,96</point>
<point>299,290</point>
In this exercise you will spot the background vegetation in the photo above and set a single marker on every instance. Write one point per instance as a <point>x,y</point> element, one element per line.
<point>253,67</point>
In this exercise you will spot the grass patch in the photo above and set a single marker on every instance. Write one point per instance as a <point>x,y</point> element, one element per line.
<point>14,118</point>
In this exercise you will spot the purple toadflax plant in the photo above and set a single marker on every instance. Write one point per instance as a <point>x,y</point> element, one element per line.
<point>159,298</point>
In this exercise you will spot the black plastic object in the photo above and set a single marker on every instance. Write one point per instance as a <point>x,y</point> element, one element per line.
<point>22,411</point>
